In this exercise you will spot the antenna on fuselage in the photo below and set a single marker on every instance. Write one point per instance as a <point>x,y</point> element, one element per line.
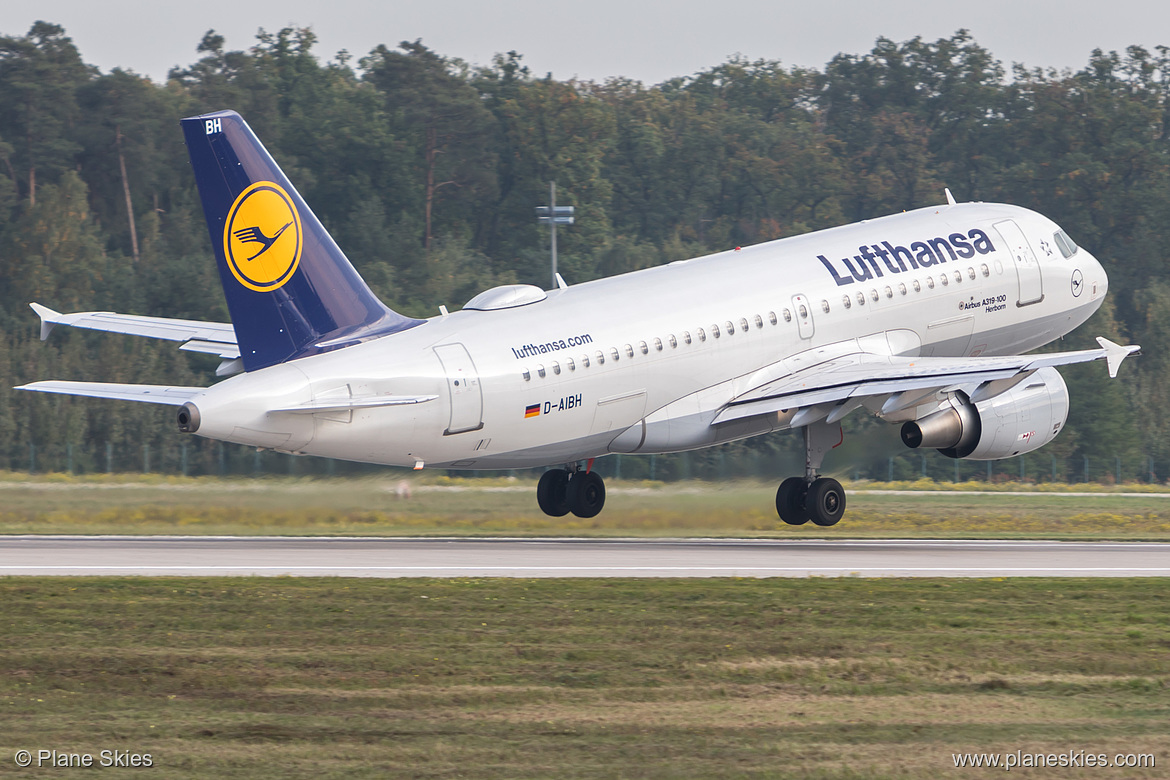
<point>950,198</point>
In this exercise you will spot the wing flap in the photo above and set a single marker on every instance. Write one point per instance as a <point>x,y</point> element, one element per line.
<point>151,394</point>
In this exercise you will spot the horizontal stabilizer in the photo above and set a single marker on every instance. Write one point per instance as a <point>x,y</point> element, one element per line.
<point>218,338</point>
<point>151,394</point>
<point>361,402</point>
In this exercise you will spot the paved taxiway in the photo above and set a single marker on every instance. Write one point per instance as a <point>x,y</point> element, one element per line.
<point>382,557</point>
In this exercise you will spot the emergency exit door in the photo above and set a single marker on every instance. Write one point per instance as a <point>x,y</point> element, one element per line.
<point>463,389</point>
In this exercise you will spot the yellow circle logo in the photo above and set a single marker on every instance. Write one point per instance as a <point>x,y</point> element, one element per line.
<point>262,238</point>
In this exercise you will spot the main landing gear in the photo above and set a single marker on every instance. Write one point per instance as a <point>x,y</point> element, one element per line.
<point>812,497</point>
<point>561,491</point>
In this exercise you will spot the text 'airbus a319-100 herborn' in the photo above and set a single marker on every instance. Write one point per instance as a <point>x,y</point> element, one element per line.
<point>920,318</point>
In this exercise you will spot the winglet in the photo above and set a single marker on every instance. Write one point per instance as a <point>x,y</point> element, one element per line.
<point>1115,353</point>
<point>47,322</point>
<point>950,198</point>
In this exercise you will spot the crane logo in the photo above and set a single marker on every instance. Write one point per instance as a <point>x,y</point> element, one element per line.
<point>262,237</point>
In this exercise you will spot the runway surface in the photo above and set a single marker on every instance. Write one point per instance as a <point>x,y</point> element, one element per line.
<point>457,557</point>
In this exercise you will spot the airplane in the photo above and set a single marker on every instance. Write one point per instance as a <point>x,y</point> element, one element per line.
<point>920,318</point>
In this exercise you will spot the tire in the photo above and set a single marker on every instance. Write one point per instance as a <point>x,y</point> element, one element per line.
<point>790,501</point>
<point>825,502</point>
<point>586,494</point>
<point>552,492</point>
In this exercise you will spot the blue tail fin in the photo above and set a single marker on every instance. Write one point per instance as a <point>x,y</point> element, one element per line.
<point>290,290</point>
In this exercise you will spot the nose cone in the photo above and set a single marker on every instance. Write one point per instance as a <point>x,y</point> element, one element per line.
<point>1096,281</point>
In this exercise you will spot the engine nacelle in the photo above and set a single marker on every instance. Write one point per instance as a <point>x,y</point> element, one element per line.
<point>1020,420</point>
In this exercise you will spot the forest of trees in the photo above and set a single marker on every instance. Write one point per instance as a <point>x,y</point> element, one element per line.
<point>426,170</point>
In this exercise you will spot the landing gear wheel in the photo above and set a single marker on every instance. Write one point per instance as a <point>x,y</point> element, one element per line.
<point>790,501</point>
<point>825,502</point>
<point>586,493</point>
<point>552,492</point>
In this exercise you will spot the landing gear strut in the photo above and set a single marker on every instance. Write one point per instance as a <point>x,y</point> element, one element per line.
<point>561,491</point>
<point>812,497</point>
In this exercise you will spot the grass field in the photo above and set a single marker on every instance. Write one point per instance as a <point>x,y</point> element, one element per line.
<point>148,505</point>
<point>847,678</point>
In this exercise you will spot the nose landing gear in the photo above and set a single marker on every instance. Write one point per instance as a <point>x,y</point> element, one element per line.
<point>561,491</point>
<point>812,497</point>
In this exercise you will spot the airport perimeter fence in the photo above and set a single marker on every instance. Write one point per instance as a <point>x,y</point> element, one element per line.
<point>190,456</point>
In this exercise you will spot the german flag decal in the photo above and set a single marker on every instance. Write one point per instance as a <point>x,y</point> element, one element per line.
<point>531,411</point>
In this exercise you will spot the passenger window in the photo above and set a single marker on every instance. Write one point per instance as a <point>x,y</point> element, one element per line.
<point>759,321</point>
<point>803,312</point>
<point>658,344</point>
<point>958,277</point>
<point>944,280</point>
<point>889,292</point>
<point>701,334</point>
<point>825,306</point>
<point>918,287</point>
<point>556,367</point>
<point>985,270</point>
<point>642,346</point>
<point>629,351</point>
<point>846,302</point>
<point>715,331</point>
<point>730,328</point>
<point>600,357</point>
<point>971,274</point>
<point>873,296</point>
<point>584,361</point>
<point>613,354</point>
<point>743,324</point>
<point>860,299</point>
<point>674,342</point>
<point>901,289</point>
<point>787,316</point>
<point>686,337</point>
<point>930,282</point>
<point>772,317</point>
<point>570,364</point>
<point>527,376</point>
<point>540,371</point>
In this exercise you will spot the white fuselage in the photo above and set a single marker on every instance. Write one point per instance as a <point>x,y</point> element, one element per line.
<point>643,362</point>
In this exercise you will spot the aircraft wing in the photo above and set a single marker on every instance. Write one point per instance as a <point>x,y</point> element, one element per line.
<point>216,338</point>
<point>151,394</point>
<point>832,389</point>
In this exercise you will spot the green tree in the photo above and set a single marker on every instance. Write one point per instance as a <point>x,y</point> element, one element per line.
<point>39,76</point>
<point>435,110</point>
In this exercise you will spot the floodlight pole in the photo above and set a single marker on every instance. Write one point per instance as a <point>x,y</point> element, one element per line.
<point>552,225</point>
<point>554,214</point>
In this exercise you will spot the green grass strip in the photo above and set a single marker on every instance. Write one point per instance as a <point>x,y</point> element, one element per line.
<point>500,678</point>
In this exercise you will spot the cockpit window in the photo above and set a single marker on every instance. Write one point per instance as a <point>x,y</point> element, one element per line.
<point>1067,247</point>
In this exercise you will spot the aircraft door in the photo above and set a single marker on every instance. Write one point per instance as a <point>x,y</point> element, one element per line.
<point>1027,266</point>
<point>802,310</point>
<point>463,389</point>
